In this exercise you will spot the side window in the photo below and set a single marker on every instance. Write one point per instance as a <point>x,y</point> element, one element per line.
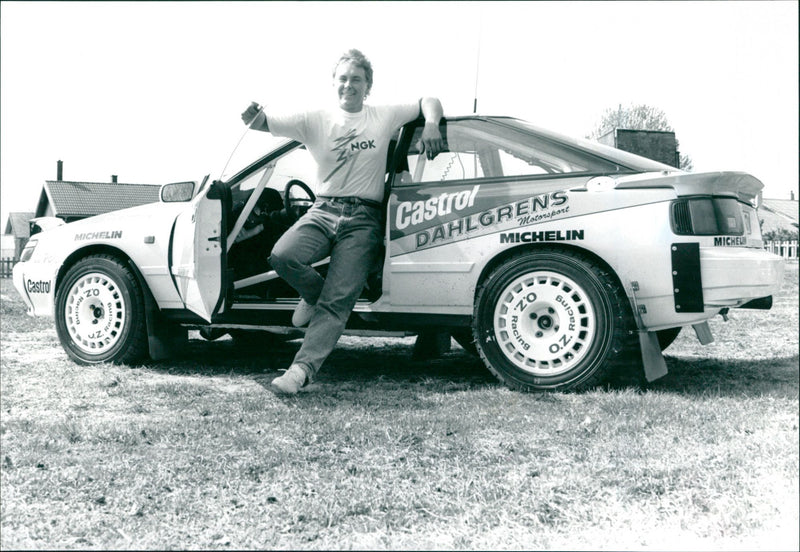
<point>296,164</point>
<point>460,161</point>
<point>482,149</point>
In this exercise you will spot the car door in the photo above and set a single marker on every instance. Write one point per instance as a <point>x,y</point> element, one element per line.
<point>197,251</point>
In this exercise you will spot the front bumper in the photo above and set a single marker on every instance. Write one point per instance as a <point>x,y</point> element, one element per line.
<point>35,283</point>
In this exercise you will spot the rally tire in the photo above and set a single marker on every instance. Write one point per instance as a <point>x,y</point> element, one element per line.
<point>100,313</point>
<point>551,320</point>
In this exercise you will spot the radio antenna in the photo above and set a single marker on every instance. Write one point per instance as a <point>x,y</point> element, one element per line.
<point>477,65</point>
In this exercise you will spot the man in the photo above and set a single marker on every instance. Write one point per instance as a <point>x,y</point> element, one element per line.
<point>349,143</point>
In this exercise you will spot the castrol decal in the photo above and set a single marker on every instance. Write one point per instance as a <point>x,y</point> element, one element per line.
<point>418,212</point>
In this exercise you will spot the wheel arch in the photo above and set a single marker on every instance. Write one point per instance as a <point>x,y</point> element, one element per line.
<point>502,257</point>
<point>95,249</point>
<point>162,335</point>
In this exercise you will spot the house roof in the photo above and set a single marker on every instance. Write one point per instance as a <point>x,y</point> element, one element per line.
<point>785,207</point>
<point>778,214</point>
<point>84,199</point>
<point>17,224</point>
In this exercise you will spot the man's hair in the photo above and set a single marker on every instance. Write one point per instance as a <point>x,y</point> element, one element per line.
<point>359,60</point>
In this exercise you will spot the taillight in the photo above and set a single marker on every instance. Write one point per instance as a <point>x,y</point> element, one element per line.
<point>707,216</point>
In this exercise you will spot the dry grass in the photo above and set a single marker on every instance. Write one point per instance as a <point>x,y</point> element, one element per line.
<point>384,452</point>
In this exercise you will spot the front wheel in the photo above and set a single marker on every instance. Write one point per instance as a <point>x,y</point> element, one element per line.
<point>100,313</point>
<point>551,320</point>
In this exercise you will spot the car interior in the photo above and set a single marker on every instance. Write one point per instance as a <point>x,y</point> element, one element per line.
<point>264,206</point>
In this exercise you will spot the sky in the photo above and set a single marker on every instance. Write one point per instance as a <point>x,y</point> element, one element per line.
<point>153,91</point>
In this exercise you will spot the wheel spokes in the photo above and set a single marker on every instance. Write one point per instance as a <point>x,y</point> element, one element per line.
<point>544,323</point>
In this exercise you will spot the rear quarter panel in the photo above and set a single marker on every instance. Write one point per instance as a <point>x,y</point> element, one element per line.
<point>435,265</point>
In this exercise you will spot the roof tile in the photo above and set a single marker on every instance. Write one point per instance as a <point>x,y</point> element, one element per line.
<point>95,198</point>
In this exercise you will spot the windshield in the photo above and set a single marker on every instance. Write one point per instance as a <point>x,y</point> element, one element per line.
<point>252,146</point>
<point>627,160</point>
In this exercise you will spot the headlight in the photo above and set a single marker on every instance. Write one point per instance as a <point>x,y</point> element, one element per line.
<point>27,253</point>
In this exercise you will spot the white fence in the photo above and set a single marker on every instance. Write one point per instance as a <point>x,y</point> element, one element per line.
<point>786,249</point>
<point>6,264</point>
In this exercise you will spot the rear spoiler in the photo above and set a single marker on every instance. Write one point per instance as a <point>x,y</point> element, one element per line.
<point>740,185</point>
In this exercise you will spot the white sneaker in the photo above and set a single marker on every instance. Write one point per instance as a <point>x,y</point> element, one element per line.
<point>302,313</point>
<point>291,381</point>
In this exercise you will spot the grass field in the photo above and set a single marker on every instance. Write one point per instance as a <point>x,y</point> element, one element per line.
<point>387,453</point>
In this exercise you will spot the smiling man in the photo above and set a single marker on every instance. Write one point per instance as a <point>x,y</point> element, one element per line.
<point>349,144</point>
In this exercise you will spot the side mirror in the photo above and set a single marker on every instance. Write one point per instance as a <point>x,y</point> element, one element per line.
<point>177,192</point>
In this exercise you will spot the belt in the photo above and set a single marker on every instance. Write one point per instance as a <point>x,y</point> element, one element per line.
<point>353,200</point>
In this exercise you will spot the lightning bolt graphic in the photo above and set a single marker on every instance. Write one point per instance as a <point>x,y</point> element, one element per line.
<point>342,146</point>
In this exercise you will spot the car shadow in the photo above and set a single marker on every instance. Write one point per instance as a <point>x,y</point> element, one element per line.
<point>773,377</point>
<point>392,364</point>
<point>364,361</point>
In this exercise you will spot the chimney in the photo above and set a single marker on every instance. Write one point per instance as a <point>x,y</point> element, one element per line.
<point>114,178</point>
<point>60,170</point>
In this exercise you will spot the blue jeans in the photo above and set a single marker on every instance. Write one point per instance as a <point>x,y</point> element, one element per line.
<point>351,235</point>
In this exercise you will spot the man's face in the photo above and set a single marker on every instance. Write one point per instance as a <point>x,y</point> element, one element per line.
<point>350,83</point>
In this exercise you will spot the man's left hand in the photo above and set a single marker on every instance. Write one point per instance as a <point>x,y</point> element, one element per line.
<point>432,141</point>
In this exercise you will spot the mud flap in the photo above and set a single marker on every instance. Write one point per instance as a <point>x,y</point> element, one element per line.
<point>164,339</point>
<point>653,360</point>
<point>703,332</point>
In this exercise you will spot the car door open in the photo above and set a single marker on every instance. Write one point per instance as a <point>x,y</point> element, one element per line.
<point>197,252</point>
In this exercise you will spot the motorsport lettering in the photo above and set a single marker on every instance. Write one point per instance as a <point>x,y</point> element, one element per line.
<point>113,235</point>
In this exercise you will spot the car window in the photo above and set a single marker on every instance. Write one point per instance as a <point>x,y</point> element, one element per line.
<point>480,149</point>
<point>296,164</point>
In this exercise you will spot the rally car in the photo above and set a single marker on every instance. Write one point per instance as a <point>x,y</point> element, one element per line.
<point>551,258</point>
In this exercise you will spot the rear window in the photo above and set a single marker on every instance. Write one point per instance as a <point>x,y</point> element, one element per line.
<point>480,149</point>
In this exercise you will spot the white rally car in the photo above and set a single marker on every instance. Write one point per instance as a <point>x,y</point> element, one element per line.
<point>549,257</point>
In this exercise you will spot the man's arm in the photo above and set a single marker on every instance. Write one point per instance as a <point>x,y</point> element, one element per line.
<point>255,117</point>
<point>432,141</point>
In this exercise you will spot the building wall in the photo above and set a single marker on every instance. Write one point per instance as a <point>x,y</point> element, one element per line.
<point>8,246</point>
<point>657,145</point>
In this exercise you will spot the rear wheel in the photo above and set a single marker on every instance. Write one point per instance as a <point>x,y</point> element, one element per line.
<point>100,313</point>
<point>551,320</point>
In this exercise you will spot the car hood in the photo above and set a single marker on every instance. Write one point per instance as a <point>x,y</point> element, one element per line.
<point>133,216</point>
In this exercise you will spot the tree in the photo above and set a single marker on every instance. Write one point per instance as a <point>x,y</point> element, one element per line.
<point>636,117</point>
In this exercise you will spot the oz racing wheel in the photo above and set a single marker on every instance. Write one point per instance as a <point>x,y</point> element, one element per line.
<point>550,320</point>
<point>99,312</point>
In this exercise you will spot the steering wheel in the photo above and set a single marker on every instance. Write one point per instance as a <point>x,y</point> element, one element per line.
<point>295,205</point>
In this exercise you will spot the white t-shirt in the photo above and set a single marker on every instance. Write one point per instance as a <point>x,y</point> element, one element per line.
<point>350,148</point>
